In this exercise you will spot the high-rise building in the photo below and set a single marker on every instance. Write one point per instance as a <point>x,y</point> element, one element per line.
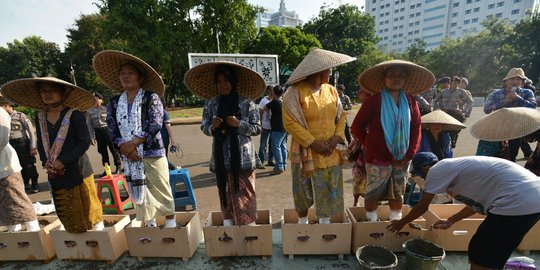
<point>284,18</point>
<point>399,23</point>
<point>263,18</point>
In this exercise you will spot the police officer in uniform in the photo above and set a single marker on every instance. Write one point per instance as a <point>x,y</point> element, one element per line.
<point>98,132</point>
<point>22,138</point>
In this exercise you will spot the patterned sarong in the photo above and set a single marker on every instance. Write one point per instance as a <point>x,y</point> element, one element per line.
<point>15,206</point>
<point>324,188</point>
<point>78,208</point>
<point>241,205</point>
<point>385,182</point>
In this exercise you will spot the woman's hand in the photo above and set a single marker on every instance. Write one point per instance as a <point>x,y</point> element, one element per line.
<point>443,224</point>
<point>131,145</point>
<point>216,122</point>
<point>233,121</point>
<point>133,156</point>
<point>57,166</point>
<point>320,148</point>
<point>332,142</point>
<point>395,226</point>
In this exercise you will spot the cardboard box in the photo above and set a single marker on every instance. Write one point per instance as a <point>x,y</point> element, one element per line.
<point>531,240</point>
<point>27,246</point>
<point>375,233</point>
<point>111,242</point>
<point>180,242</point>
<point>458,236</point>
<point>314,238</point>
<point>235,240</point>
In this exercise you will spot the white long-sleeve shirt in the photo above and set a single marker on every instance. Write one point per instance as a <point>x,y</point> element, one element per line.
<point>9,162</point>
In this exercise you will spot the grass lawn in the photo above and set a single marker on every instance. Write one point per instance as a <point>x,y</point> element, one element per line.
<point>194,112</point>
<point>186,112</point>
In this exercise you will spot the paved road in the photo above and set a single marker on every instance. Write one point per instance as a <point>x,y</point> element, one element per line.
<point>273,192</point>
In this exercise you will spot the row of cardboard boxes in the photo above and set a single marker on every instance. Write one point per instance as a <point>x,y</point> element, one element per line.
<point>348,231</point>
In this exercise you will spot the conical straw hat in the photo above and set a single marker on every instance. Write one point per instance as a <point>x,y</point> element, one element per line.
<point>4,101</point>
<point>440,117</point>
<point>316,61</point>
<point>200,80</point>
<point>419,78</point>
<point>107,67</point>
<point>24,92</point>
<point>506,124</point>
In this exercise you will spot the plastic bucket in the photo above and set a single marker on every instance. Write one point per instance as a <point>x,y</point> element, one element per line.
<point>376,257</point>
<point>422,255</point>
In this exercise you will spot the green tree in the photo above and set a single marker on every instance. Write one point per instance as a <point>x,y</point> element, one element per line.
<point>483,58</point>
<point>86,39</point>
<point>525,41</point>
<point>417,52</point>
<point>347,30</point>
<point>30,57</point>
<point>290,44</point>
<point>164,32</point>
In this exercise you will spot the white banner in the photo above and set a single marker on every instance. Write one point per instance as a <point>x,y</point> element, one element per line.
<point>265,64</point>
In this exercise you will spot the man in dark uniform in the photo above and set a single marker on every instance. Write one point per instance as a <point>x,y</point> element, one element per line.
<point>347,106</point>
<point>98,132</point>
<point>22,138</point>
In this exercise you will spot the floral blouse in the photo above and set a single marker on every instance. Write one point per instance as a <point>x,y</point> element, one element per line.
<point>153,147</point>
<point>250,125</point>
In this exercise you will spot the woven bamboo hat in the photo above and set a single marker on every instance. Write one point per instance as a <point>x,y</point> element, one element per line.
<point>515,72</point>
<point>316,61</point>
<point>506,124</point>
<point>4,101</point>
<point>200,80</point>
<point>440,117</point>
<point>107,67</point>
<point>24,92</point>
<point>419,78</point>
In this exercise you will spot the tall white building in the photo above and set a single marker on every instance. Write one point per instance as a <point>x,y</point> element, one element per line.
<point>263,18</point>
<point>284,17</point>
<point>399,23</point>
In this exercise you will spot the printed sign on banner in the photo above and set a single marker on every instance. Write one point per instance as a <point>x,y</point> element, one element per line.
<point>265,64</point>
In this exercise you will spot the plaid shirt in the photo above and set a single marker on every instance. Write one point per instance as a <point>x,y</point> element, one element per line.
<point>453,100</point>
<point>495,100</point>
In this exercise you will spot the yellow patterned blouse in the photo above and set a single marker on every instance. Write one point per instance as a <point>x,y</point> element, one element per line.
<point>320,111</point>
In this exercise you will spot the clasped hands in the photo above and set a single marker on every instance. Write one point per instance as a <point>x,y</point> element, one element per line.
<point>327,147</point>
<point>55,167</point>
<point>231,121</point>
<point>129,149</point>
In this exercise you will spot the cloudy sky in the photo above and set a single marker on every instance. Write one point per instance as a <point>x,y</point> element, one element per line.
<point>50,18</point>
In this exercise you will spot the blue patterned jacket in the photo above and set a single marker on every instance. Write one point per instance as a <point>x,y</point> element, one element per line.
<point>250,125</point>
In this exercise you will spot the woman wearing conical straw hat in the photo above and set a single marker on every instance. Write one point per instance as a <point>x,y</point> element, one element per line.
<point>436,139</point>
<point>313,115</point>
<point>231,118</point>
<point>392,117</point>
<point>134,120</point>
<point>435,136</point>
<point>63,139</point>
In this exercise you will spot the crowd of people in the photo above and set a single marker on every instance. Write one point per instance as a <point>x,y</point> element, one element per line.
<point>394,127</point>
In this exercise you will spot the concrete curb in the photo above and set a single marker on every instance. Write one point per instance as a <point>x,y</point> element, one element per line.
<point>186,121</point>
